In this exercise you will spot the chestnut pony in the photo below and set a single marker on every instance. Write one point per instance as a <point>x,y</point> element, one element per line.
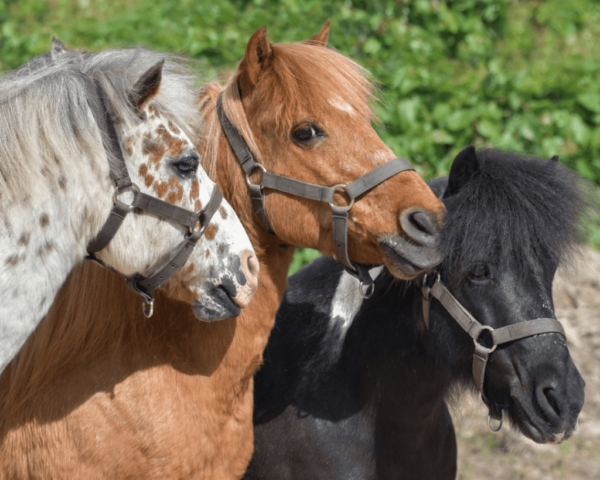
<point>172,397</point>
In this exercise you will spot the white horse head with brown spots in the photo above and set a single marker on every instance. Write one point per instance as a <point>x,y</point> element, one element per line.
<point>56,191</point>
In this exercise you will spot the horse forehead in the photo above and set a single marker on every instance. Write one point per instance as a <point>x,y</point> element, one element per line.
<point>340,104</point>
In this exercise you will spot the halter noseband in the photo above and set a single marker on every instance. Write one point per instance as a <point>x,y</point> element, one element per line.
<point>312,192</point>
<point>474,329</point>
<point>143,286</point>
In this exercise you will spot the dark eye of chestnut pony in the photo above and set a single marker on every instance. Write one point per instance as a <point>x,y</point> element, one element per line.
<point>479,272</point>
<point>306,133</point>
<point>186,166</point>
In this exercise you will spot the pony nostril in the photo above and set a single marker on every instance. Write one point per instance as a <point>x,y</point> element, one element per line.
<point>421,225</point>
<point>253,266</point>
<point>548,393</point>
<point>423,222</point>
<point>550,404</point>
<point>250,269</point>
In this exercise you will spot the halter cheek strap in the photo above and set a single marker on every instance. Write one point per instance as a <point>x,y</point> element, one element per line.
<point>474,329</point>
<point>143,286</point>
<point>312,192</point>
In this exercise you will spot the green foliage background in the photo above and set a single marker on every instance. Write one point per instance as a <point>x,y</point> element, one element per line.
<point>515,74</point>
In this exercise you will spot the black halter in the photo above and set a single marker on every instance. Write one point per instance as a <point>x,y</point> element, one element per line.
<point>143,286</point>
<point>474,329</point>
<point>312,192</point>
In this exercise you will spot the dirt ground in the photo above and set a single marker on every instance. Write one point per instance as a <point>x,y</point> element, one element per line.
<point>509,455</point>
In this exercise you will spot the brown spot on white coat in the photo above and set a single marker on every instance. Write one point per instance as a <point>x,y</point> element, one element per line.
<point>24,239</point>
<point>129,146</point>
<point>44,220</point>
<point>195,191</point>
<point>211,231</point>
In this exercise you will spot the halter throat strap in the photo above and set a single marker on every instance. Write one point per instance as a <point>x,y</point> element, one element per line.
<point>312,192</point>
<point>474,329</point>
<point>139,284</point>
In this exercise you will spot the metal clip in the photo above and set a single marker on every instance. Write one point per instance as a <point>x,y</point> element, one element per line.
<point>368,293</point>
<point>151,303</point>
<point>490,426</point>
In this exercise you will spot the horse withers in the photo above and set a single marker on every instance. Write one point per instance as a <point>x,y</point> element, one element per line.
<point>354,388</point>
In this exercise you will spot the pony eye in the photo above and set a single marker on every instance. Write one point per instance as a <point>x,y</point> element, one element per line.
<point>306,133</point>
<point>479,272</point>
<point>186,165</point>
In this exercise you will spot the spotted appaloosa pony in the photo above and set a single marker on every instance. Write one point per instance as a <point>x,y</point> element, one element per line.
<point>172,397</point>
<point>57,194</point>
<point>356,389</point>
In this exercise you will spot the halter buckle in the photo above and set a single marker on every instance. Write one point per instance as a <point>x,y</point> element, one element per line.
<point>120,190</point>
<point>491,330</point>
<point>349,206</point>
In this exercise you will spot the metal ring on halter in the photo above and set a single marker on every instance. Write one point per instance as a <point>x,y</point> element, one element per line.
<point>248,176</point>
<point>119,190</point>
<point>369,292</point>
<point>151,303</point>
<point>490,329</point>
<point>490,426</point>
<point>341,185</point>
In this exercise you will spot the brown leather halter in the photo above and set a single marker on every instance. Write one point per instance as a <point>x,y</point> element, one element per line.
<point>143,286</point>
<point>312,192</point>
<point>474,329</point>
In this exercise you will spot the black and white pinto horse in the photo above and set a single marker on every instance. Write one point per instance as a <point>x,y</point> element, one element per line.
<point>355,389</point>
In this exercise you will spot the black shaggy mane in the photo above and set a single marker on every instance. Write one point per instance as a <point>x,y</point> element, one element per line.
<point>516,207</point>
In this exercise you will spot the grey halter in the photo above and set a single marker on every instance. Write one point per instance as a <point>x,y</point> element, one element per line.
<point>143,286</point>
<point>312,192</point>
<point>474,329</point>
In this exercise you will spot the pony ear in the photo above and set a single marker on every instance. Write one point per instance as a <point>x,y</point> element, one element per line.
<point>463,168</point>
<point>554,159</point>
<point>57,48</point>
<point>257,57</point>
<point>320,39</point>
<point>146,87</point>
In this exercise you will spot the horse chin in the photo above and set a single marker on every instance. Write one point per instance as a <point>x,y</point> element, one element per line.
<point>527,417</point>
<point>408,260</point>
<point>216,304</point>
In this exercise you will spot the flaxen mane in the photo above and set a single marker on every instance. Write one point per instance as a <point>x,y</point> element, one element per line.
<point>45,122</point>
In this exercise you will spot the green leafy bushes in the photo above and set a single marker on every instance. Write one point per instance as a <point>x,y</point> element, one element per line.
<point>516,74</point>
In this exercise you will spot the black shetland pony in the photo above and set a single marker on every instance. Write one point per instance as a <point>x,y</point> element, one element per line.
<point>354,389</point>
